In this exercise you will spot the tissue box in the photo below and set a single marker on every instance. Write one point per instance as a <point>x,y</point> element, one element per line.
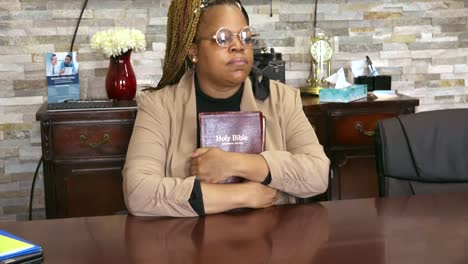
<point>344,95</point>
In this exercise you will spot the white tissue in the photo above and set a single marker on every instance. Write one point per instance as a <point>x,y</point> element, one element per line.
<point>359,68</point>
<point>338,79</point>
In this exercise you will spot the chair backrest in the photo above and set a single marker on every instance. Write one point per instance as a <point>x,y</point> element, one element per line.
<point>423,153</point>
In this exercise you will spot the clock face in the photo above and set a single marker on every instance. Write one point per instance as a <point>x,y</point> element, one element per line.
<point>321,50</point>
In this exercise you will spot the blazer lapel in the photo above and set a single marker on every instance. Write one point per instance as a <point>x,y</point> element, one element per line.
<point>187,132</point>
<point>272,128</point>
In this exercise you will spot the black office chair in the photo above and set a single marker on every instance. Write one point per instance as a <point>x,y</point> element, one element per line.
<point>425,152</point>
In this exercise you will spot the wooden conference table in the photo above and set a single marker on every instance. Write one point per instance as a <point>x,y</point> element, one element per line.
<point>417,229</point>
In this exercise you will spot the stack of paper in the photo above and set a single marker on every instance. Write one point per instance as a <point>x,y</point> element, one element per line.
<point>385,94</point>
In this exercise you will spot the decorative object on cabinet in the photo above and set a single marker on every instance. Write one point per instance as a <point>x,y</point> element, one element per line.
<point>118,44</point>
<point>321,50</point>
<point>84,152</point>
<point>120,79</point>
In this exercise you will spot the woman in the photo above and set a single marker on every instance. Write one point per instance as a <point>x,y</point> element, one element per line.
<point>166,174</point>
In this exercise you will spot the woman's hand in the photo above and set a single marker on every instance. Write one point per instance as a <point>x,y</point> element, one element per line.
<point>214,165</point>
<point>211,165</point>
<point>259,195</point>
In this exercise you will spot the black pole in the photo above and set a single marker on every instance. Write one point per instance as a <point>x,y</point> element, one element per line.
<point>31,195</point>
<point>315,16</point>
<point>78,25</point>
<point>271,8</point>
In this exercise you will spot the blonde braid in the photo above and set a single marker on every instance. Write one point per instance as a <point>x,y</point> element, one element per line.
<point>183,17</point>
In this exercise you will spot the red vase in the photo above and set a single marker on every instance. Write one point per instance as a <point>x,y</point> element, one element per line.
<point>120,80</point>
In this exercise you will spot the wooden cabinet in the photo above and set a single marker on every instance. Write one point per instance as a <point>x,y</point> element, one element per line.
<point>84,152</point>
<point>346,130</point>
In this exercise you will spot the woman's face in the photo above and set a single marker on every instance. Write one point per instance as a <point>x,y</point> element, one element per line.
<point>223,66</point>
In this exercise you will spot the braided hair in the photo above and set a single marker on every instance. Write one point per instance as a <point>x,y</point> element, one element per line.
<point>182,23</point>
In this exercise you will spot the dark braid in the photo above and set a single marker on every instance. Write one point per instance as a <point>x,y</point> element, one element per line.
<point>182,22</point>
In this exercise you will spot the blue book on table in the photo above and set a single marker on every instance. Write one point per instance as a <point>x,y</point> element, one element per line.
<point>12,246</point>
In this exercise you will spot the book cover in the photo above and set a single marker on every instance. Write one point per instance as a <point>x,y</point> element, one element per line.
<point>63,81</point>
<point>12,246</point>
<point>233,131</point>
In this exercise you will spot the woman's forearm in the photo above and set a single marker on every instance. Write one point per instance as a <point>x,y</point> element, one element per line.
<point>224,197</point>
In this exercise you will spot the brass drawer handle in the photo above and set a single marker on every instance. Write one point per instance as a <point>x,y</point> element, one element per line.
<point>105,139</point>
<point>358,127</point>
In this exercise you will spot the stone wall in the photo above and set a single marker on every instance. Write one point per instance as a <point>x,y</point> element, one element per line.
<point>422,44</point>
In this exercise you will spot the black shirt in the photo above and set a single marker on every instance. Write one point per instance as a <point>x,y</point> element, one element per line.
<point>205,103</point>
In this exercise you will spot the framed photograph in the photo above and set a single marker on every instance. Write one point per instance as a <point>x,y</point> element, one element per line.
<point>63,81</point>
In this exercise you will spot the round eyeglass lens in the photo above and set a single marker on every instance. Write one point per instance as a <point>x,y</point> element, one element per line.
<point>248,35</point>
<point>223,37</point>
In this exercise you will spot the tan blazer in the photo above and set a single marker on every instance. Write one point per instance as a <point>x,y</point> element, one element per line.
<point>156,173</point>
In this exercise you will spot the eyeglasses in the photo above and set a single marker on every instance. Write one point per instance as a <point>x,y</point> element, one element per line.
<point>224,36</point>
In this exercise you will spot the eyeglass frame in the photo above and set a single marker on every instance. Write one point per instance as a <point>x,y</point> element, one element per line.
<point>214,37</point>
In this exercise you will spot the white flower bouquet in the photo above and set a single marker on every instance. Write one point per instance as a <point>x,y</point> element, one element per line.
<point>116,41</point>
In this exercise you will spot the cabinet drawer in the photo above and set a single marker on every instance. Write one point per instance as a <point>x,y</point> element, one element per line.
<point>91,139</point>
<point>356,129</point>
<point>88,189</point>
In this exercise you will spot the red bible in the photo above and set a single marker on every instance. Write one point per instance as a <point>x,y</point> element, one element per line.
<point>234,132</point>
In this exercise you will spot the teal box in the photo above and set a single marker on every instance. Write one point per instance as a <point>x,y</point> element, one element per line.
<point>344,95</point>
